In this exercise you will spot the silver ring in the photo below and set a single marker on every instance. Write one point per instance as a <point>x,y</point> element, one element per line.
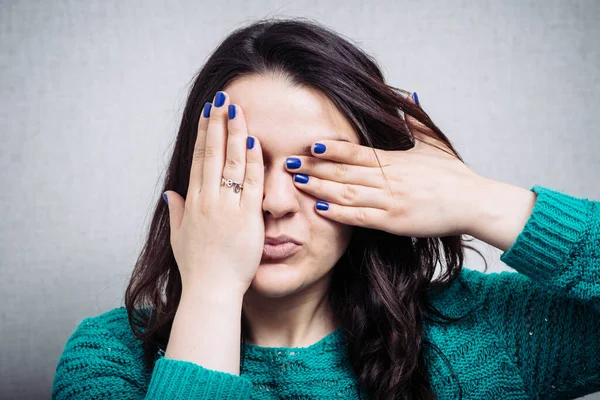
<point>237,187</point>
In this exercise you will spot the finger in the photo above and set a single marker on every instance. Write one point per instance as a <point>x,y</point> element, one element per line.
<point>252,194</point>
<point>235,158</point>
<point>341,193</point>
<point>357,216</point>
<point>415,127</point>
<point>336,171</point>
<point>176,205</point>
<point>214,153</point>
<point>415,99</point>
<point>195,184</point>
<point>349,153</point>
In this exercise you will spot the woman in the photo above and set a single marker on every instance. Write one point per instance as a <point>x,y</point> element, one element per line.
<point>307,205</point>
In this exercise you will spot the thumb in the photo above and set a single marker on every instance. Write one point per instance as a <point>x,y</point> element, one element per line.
<point>176,205</point>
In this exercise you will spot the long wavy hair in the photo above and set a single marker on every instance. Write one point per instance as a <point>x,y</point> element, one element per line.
<point>378,286</point>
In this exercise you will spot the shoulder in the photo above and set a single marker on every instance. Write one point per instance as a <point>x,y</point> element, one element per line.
<point>477,280</point>
<point>114,320</point>
<point>100,357</point>
<point>472,287</point>
<point>110,326</point>
<point>496,285</point>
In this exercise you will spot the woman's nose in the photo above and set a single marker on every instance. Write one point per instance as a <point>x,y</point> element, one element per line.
<point>280,195</point>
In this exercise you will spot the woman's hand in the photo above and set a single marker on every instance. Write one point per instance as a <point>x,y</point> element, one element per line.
<point>422,192</point>
<point>217,235</point>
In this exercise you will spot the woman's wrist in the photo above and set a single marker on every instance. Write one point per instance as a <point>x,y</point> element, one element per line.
<point>502,212</point>
<point>206,330</point>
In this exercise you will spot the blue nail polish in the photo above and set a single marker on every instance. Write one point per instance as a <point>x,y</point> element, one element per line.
<point>320,148</point>
<point>416,98</point>
<point>250,142</point>
<point>219,99</point>
<point>322,205</point>
<point>165,198</point>
<point>207,108</point>
<point>231,111</point>
<point>293,163</point>
<point>301,178</point>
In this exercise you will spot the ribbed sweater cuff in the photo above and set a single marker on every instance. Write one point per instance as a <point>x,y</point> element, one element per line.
<point>557,223</point>
<point>177,379</point>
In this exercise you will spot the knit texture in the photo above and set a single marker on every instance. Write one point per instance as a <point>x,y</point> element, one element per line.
<point>534,334</point>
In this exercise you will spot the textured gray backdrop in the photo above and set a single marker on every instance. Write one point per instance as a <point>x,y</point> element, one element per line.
<point>92,92</point>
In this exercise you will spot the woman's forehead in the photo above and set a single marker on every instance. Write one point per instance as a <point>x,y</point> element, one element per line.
<point>276,108</point>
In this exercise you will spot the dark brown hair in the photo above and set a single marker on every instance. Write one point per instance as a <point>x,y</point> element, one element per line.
<point>379,285</point>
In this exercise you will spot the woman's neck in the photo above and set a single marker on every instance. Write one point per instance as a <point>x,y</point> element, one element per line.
<point>298,320</point>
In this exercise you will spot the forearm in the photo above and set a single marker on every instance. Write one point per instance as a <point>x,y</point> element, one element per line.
<point>502,213</point>
<point>206,331</point>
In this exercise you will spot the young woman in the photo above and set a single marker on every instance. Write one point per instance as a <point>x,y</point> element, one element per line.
<point>307,206</point>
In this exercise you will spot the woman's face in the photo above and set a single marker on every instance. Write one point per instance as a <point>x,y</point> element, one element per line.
<point>287,119</point>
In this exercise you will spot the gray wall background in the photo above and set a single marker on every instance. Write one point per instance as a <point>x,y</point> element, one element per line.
<point>92,93</point>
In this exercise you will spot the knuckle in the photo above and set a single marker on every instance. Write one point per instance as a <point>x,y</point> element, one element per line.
<point>210,151</point>
<point>340,170</point>
<point>360,216</point>
<point>233,129</point>
<point>355,151</point>
<point>349,193</point>
<point>251,181</point>
<point>232,163</point>
<point>254,162</point>
<point>198,155</point>
<point>397,211</point>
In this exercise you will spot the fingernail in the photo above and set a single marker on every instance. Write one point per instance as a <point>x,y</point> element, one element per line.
<point>320,148</point>
<point>293,163</point>
<point>207,108</point>
<point>301,178</point>
<point>165,198</point>
<point>250,142</point>
<point>219,99</point>
<point>416,98</point>
<point>231,111</point>
<point>322,205</point>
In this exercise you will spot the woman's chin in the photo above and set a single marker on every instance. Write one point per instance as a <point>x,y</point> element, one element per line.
<point>275,280</point>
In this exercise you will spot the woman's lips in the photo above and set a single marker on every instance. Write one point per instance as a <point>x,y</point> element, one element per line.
<point>278,251</point>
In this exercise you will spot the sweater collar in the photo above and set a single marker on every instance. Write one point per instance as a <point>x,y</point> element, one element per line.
<point>321,370</point>
<point>334,341</point>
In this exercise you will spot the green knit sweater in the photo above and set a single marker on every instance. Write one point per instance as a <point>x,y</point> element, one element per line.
<point>535,333</point>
